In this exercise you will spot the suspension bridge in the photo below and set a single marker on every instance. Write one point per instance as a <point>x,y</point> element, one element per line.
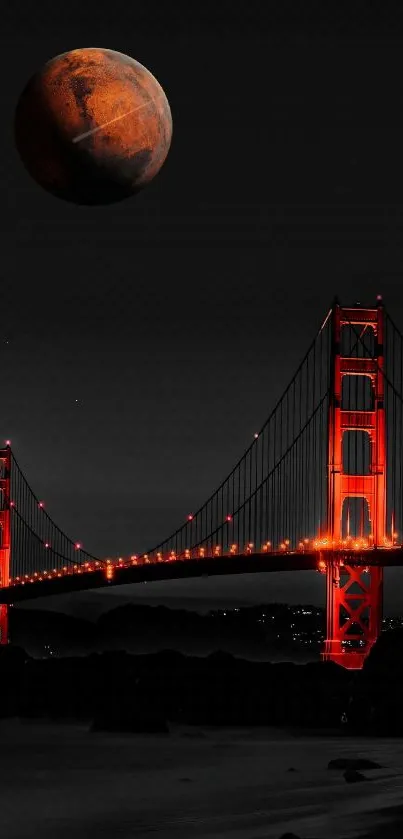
<point>320,487</point>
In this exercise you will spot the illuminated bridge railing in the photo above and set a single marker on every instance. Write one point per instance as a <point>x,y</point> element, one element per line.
<point>350,547</point>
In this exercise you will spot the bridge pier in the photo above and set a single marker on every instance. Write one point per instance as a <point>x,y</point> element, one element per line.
<point>354,596</point>
<point>3,624</point>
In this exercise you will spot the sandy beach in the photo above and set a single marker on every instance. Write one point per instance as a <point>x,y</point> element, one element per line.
<point>61,780</point>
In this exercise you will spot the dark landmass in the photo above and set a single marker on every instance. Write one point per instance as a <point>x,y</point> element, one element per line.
<point>117,690</point>
<point>125,692</point>
<point>262,632</point>
<point>266,632</point>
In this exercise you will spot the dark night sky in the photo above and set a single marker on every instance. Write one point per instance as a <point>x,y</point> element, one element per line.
<point>177,318</point>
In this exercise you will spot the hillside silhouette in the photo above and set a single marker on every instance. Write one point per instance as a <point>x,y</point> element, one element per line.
<point>117,690</point>
<point>142,628</point>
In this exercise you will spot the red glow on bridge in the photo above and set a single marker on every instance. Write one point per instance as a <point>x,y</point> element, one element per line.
<point>363,623</point>
<point>349,550</point>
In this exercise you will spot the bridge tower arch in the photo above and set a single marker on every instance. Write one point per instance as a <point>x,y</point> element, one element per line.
<point>354,593</point>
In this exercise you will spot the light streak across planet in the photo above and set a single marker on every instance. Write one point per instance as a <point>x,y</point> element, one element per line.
<point>110,121</point>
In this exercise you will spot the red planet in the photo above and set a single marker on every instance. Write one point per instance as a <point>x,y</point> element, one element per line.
<point>93,126</point>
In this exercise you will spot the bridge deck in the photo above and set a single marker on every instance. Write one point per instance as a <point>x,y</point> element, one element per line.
<point>205,567</point>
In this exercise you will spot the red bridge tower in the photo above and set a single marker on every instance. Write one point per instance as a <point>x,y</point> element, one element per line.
<point>354,595</point>
<point>5,535</point>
